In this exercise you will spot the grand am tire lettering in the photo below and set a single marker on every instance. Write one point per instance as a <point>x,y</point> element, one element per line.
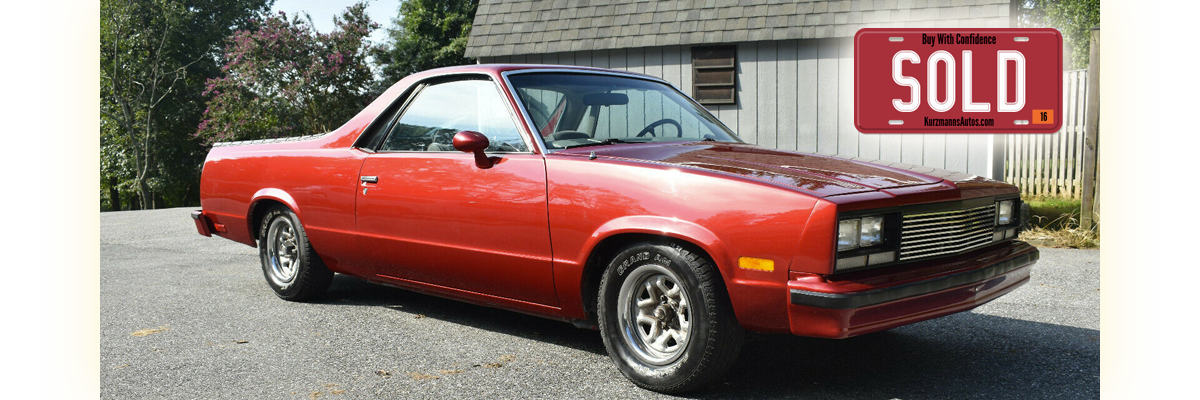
<point>635,258</point>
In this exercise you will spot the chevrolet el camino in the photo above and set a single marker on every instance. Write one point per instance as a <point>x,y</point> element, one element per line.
<point>612,200</point>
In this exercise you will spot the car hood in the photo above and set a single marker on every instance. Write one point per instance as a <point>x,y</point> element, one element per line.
<point>817,174</point>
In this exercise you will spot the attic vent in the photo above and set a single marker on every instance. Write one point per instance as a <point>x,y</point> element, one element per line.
<point>713,75</point>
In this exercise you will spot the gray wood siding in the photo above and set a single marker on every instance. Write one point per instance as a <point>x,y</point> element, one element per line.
<point>791,95</point>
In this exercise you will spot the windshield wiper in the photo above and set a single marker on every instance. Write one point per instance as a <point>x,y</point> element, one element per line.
<point>600,143</point>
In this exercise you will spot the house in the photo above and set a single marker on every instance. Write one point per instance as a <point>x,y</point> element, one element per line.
<point>778,73</point>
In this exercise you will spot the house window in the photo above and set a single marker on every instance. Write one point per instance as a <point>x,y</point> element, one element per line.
<point>713,70</point>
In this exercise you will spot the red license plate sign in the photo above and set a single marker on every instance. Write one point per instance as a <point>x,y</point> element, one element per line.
<point>958,80</point>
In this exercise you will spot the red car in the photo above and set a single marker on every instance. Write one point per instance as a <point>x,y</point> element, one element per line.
<point>611,200</point>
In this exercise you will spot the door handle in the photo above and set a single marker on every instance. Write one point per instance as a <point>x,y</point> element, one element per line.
<point>369,179</point>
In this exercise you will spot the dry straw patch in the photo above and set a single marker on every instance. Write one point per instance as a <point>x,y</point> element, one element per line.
<point>1069,234</point>
<point>151,331</point>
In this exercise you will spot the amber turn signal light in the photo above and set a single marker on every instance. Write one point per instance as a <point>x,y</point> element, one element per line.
<point>756,264</point>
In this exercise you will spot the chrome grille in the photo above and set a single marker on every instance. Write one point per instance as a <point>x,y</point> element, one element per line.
<point>946,232</point>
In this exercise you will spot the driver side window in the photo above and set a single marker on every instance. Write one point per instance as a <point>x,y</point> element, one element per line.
<point>441,110</point>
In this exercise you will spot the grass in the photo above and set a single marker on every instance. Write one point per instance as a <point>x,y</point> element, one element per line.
<point>1054,222</point>
<point>1052,212</point>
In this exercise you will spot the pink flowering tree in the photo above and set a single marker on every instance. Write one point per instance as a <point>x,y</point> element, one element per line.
<point>286,79</point>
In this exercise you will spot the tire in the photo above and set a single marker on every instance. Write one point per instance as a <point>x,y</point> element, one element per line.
<point>292,268</point>
<point>665,318</point>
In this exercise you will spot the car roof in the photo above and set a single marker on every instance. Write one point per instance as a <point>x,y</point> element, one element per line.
<point>497,69</point>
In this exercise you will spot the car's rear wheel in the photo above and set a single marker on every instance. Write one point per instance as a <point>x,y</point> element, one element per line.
<point>665,318</point>
<point>292,268</point>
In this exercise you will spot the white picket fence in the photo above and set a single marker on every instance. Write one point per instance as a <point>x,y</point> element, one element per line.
<point>1051,165</point>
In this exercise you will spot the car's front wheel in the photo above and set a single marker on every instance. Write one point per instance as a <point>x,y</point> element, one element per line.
<point>665,318</point>
<point>292,268</point>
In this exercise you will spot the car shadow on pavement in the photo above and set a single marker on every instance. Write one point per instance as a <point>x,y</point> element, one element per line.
<point>966,355</point>
<point>348,290</point>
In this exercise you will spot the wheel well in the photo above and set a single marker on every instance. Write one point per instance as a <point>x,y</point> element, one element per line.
<point>609,247</point>
<point>260,208</point>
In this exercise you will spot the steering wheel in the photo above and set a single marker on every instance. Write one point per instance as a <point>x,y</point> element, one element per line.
<point>650,128</point>
<point>537,112</point>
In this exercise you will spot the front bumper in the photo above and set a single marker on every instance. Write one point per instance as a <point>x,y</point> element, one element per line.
<point>869,302</point>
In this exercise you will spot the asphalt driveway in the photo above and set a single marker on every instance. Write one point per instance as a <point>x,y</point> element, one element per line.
<point>185,316</point>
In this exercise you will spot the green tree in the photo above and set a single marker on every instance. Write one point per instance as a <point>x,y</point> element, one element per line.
<point>286,79</point>
<point>155,56</point>
<point>427,34</point>
<point>1074,18</point>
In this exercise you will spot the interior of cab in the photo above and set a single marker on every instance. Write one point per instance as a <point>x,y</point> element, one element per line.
<point>571,110</point>
<point>439,110</point>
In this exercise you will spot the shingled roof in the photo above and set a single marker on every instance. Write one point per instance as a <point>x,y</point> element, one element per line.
<point>511,27</point>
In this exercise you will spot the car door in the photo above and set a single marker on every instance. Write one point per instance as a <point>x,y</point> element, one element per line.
<point>426,213</point>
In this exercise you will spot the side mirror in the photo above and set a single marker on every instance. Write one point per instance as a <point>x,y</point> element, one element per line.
<point>474,142</point>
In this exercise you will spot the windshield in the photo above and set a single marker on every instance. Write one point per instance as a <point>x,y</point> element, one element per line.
<point>573,110</point>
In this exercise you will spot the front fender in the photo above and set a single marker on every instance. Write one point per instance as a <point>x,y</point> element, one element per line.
<point>726,217</point>
<point>661,226</point>
<point>756,299</point>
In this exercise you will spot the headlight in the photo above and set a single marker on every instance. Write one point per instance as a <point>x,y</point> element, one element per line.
<point>859,232</point>
<point>871,232</point>
<point>848,234</point>
<point>1004,212</point>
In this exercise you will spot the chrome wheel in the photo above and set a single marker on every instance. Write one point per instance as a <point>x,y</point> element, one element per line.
<point>282,252</point>
<point>654,314</point>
